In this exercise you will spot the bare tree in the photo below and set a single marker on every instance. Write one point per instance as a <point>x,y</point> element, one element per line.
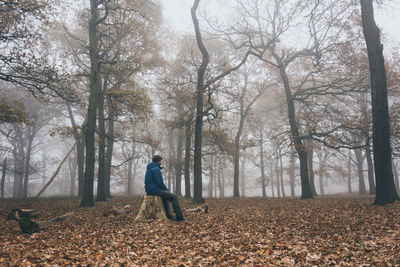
<point>385,187</point>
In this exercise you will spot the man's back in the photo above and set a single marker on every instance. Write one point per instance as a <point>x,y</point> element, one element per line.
<point>153,181</point>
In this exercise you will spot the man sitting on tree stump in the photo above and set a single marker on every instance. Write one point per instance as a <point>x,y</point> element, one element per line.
<point>154,185</point>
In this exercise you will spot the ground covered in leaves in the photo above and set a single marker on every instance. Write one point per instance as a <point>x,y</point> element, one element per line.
<point>345,231</point>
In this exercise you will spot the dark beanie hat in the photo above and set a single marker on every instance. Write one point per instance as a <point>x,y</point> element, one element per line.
<point>157,158</point>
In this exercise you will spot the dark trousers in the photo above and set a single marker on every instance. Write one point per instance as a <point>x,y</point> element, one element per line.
<point>168,196</point>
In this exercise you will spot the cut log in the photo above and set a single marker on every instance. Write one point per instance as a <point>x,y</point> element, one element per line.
<point>28,226</point>
<point>115,211</point>
<point>22,213</point>
<point>152,208</point>
<point>203,209</point>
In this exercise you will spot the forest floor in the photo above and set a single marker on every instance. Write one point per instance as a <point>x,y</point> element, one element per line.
<point>337,230</point>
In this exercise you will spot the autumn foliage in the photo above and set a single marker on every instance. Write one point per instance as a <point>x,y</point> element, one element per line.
<point>336,231</point>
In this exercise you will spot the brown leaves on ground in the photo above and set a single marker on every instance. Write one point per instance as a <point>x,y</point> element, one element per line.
<point>235,232</point>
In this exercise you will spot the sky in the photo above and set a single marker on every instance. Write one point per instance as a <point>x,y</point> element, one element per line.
<point>177,14</point>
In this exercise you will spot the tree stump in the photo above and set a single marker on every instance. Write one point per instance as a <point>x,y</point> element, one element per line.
<point>152,208</point>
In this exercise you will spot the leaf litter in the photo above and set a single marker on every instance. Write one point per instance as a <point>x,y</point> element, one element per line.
<point>326,231</point>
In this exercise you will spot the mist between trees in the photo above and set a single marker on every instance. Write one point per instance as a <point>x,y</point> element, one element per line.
<point>274,101</point>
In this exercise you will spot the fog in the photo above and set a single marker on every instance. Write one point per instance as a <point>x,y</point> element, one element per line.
<point>127,89</point>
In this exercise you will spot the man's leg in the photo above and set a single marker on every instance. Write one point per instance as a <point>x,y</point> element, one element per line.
<point>164,194</point>
<point>166,205</point>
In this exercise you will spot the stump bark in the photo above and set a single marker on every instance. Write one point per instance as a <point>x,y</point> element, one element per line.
<point>152,208</point>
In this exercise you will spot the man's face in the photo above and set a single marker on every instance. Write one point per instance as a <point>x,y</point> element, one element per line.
<point>160,162</point>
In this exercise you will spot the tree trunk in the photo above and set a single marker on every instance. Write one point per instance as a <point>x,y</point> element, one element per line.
<point>80,151</point>
<point>87,199</point>
<point>396,175</point>
<point>171,161</point>
<point>27,164</point>
<point>19,161</point>
<point>310,157</point>
<point>349,174</point>
<point>130,164</point>
<point>72,164</point>
<point>371,179</point>
<point>278,189</point>
<point>292,175</point>
<point>385,187</point>
<point>262,169</point>
<point>272,180</point>
<point>188,134</point>
<point>80,158</point>
<point>242,176</point>
<point>178,163</point>
<point>295,135</point>
<point>211,178</point>
<point>110,146</point>
<point>236,170</point>
<point>360,161</point>
<point>129,182</point>
<point>220,178</point>
<point>281,174</point>
<point>198,183</point>
<point>3,177</point>
<point>322,163</point>
<point>101,183</point>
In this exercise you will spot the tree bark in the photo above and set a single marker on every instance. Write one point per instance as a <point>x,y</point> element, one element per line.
<point>110,146</point>
<point>281,174</point>
<point>277,184</point>
<point>292,175</point>
<point>322,163</point>
<point>361,183</point>
<point>80,151</point>
<point>19,161</point>
<point>242,176</point>
<point>152,208</point>
<point>272,179</point>
<point>295,135</point>
<point>262,169</point>
<point>188,140</point>
<point>101,190</point>
<point>211,178</point>
<point>171,161</point>
<point>130,164</point>
<point>178,163</point>
<point>396,175</point>
<point>310,160</point>
<point>371,180</point>
<point>221,181</point>
<point>72,164</point>
<point>198,183</point>
<point>129,182</point>
<point>27,164</point>
<point>87,199</point>
<point>349,174</point>
<point>385,187</point>
<point>3,176</point>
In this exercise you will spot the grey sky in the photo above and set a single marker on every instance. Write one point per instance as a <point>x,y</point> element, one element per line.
<point>177,15</point>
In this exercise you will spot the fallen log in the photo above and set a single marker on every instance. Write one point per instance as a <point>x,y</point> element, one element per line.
<point>28,226</point>
<point>56,172</point>
<point>115,211</point>
<point>198,209</point>
<point>23,213</point>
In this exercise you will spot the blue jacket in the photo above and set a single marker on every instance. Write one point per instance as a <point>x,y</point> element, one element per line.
<point>153,181</point>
